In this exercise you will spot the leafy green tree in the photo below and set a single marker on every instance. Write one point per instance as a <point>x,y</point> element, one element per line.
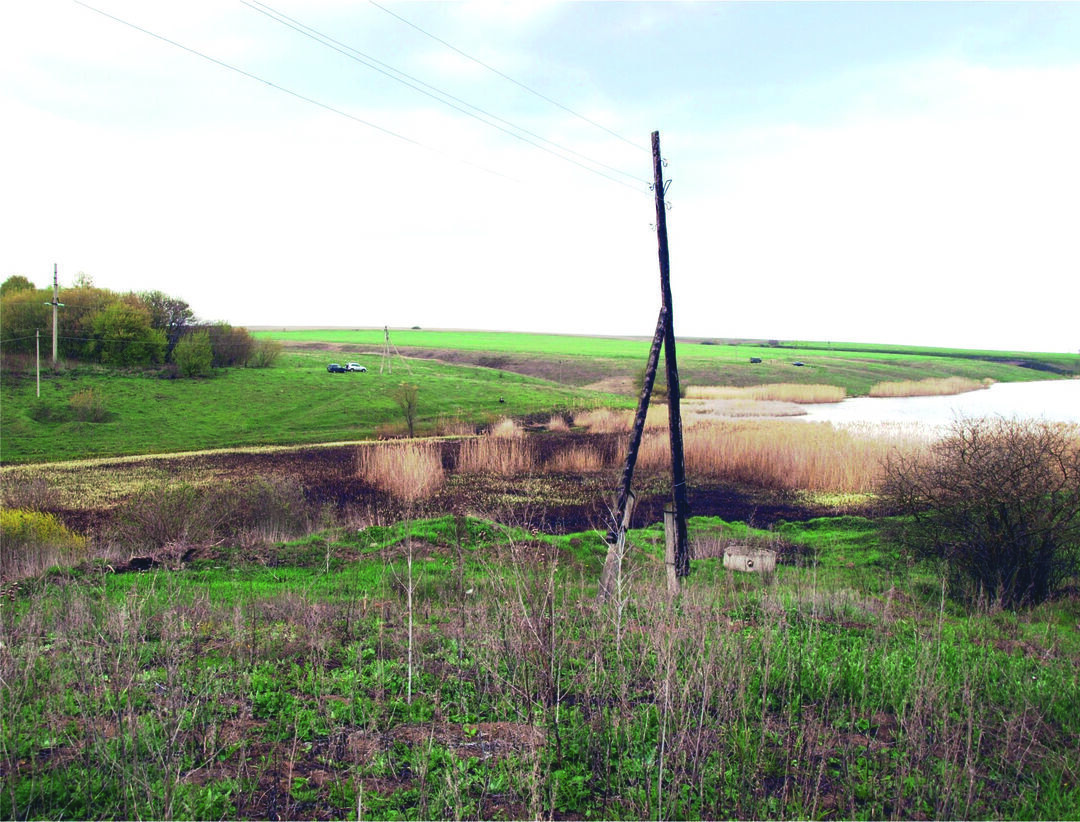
<point>22,315</point>
<point>122,335</point>
<point>77,317</point>
<point>171,314</point>
<point>997,500</point>
<point>14,284</point>
<point>193,354</point>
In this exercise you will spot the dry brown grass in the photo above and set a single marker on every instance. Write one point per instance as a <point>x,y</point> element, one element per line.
<point>776,392</point>
<point>504,455</point>
<point>558,423</point>
<point>451,427</point>
<point>778,454</point>
<point>408,471</point>
<point>507,428</point>
<point>742,408</point>
<point>932,387</point>
<point>577,460</point>
<point>611,421</point>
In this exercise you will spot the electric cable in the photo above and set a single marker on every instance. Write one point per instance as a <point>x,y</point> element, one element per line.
<point>389,71</point>
<point>508,77</point>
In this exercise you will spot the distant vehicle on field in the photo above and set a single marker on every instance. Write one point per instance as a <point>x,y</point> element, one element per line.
<point>354,366</point>
<point>335,368</point>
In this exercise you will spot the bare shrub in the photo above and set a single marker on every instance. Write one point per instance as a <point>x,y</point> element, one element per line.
<point>32,493</point>
<point>406,471</point>
<point>169,514</point>
<point>999,501</point>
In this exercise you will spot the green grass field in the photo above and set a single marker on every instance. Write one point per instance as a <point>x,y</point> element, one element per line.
<point>294,402</point>
<point>298,402</point>
<point>582,360</point>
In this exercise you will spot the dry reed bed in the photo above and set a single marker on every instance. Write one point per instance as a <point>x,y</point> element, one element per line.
<point>776,392</point>
<point>772,454</point>
<point>931,387</point>
<point>407,471</point>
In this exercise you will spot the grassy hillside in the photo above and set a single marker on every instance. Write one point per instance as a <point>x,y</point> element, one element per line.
<point>295,402</point>
<point>584,360</point>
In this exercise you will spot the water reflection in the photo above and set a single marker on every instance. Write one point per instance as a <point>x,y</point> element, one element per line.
<point>1052,400</point>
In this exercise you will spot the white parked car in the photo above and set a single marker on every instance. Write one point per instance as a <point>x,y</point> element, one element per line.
<point>354,366</point>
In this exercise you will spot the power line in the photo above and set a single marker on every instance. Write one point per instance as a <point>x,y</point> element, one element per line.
<point>435,93</point>
<point>288,91</point>
<point>508,77</point>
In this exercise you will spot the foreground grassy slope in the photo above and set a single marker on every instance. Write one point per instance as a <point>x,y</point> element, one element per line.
<point>336,680</point>
<point>295,402</point>
<point>583,360</point>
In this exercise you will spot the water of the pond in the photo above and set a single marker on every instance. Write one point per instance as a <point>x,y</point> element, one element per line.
<point>1052,400</point>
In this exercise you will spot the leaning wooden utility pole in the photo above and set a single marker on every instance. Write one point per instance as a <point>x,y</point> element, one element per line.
<point>616,538</point>
<point>678,469</point>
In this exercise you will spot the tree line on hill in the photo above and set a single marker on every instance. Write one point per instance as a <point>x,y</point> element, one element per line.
<point>129,330</point>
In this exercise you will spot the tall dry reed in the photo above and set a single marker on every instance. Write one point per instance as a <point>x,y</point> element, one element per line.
<point>778,392</point>
<point>778,454</point>
<point>577,459</point>
<point>496,455</point>
<point>408,471</point>
<point>931,387</point>
<point>612,421</point>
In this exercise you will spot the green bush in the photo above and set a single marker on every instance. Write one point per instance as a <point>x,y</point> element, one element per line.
<point>194,355</point>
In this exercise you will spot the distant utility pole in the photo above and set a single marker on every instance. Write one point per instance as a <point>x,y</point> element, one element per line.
<point>678,468</point>
<point>56,304</point>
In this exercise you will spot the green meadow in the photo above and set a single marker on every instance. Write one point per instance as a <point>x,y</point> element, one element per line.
<point>295,402</point>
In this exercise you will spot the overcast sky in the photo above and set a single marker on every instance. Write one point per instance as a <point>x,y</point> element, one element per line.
<point>898,173</point>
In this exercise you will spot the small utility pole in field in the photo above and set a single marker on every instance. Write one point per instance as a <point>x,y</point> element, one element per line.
<point>56,304</point>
